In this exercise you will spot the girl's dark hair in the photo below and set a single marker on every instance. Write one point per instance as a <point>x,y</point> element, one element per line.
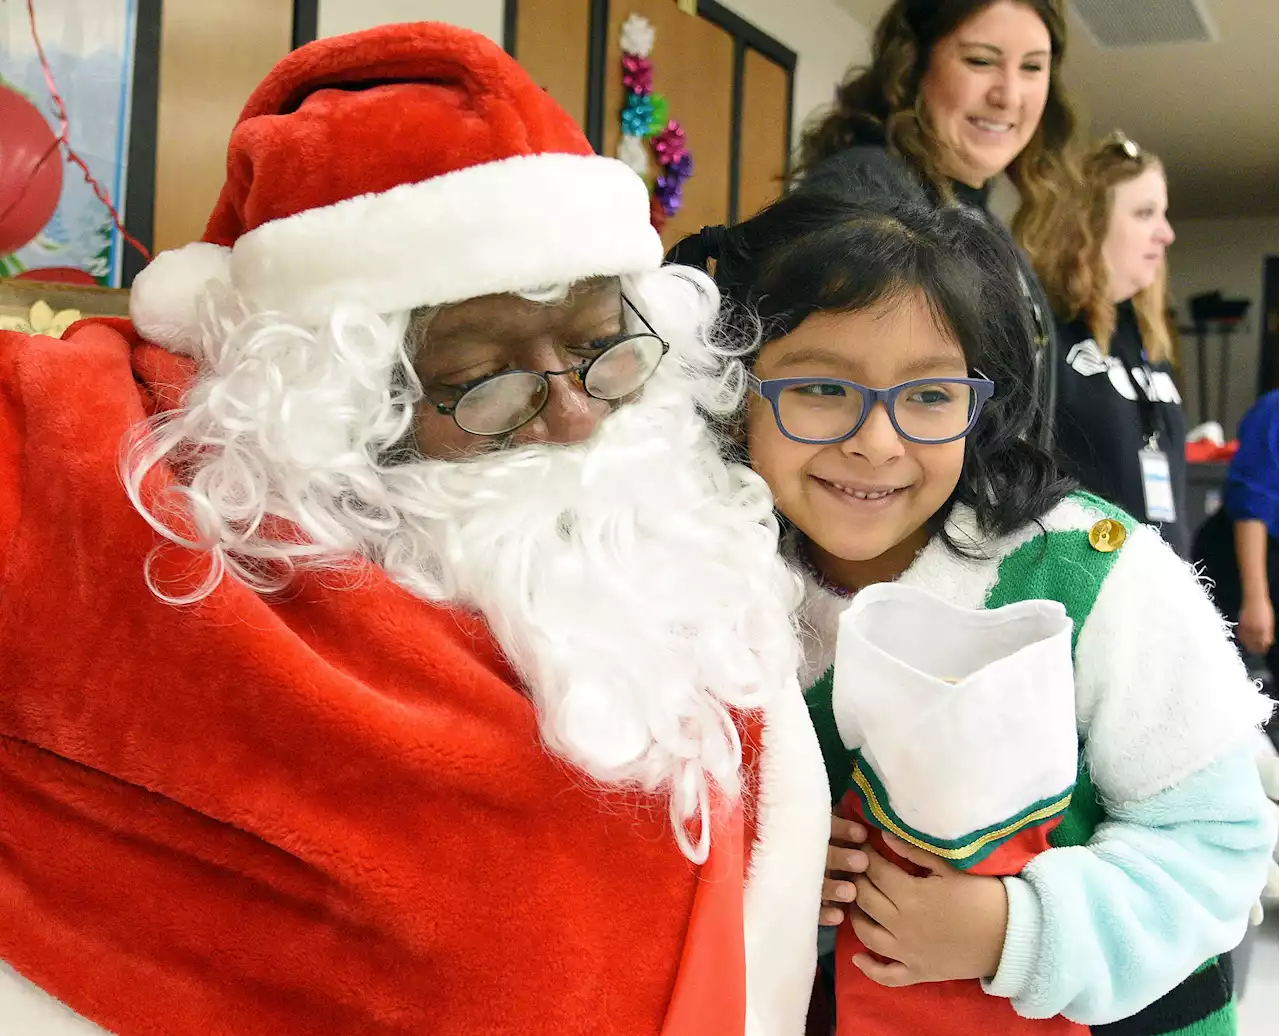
<point>876,241</point>
<point>884,100</point>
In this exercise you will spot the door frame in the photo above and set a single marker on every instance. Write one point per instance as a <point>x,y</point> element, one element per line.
<point>744,34</point>
<point>1269,327</point>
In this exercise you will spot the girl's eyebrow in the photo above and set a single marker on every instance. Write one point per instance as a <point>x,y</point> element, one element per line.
<point>814,354</point>
<point>933,362</point>
<point>922,365</point>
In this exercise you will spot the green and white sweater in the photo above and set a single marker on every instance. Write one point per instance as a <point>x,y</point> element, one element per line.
<point>1165,845</point>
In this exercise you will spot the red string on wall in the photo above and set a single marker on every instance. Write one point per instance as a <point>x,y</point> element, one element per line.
<point>63,141</point>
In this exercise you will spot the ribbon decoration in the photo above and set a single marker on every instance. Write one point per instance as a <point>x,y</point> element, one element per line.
<point>647,126</point>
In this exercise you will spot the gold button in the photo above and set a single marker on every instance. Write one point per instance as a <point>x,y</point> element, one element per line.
<point>1107,535</point>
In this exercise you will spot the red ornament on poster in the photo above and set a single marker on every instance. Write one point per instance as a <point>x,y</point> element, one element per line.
<point>30,171</point>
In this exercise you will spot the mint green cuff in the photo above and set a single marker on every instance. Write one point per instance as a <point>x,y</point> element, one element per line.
<point>1021,941</point>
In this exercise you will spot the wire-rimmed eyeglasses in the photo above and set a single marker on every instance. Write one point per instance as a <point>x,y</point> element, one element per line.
<point>501,403</point>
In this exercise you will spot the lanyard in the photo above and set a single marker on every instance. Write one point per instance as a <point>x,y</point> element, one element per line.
<point>1146,408</point>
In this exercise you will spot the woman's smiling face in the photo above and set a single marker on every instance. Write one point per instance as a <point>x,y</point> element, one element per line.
<point>985,89</point>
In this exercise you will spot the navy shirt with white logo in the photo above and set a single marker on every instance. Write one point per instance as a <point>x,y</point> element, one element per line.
<point>1101,427</point>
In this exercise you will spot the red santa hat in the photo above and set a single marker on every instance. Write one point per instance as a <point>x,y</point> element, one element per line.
<point>405,166</point>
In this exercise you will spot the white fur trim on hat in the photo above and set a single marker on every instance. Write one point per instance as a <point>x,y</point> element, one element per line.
<point>522,223</point>
<point>533,221</point>
<point>165,297</point>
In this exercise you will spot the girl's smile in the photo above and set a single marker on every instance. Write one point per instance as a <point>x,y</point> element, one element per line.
<point>861,496</point>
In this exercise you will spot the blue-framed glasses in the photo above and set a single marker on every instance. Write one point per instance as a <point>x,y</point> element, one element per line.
<point>820,411</point>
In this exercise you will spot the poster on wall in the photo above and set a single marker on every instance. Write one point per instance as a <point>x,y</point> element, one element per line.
<point>89,45</point>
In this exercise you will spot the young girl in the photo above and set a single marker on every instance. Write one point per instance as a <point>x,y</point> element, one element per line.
<point>892,413</point>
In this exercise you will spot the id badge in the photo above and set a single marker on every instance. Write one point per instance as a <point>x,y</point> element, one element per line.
<point>1157,485</point>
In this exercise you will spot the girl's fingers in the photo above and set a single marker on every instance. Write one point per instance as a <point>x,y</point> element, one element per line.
<point>830,916</point>
<point>836,891</point>
<point>846,861</point>
<point>920,857</point>
<point>875,904</point>
<point>847,832</point>
<point>873,936</point>
<point>885,973</point>
<point>888,877</point>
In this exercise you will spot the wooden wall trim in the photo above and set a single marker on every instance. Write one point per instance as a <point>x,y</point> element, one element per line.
<point>597,73</point>
<point>144,107</point>
<point>747,35</point>
<point>735,131</point>
<point>598,119</point>
<point>213,57</point>
<point>740,28</point>
<point>787,149</point>
<point>306,22</point>
<point>510,20</point>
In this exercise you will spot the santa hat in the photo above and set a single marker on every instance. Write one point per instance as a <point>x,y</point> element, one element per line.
<point>405,166</point>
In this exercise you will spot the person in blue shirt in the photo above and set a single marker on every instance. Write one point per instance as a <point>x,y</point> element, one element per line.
<point>1251,499</point>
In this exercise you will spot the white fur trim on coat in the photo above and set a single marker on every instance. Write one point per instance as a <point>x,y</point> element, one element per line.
<point>523,223</point>
<point>784,883</point>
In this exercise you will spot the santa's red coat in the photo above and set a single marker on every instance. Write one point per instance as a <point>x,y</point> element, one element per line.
<point>331,812</point>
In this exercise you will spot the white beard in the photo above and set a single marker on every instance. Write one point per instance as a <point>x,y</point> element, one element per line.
<point>633,581</point>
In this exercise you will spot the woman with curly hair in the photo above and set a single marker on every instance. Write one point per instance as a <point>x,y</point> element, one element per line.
<point>1119,421</point>
<point>960,91</point>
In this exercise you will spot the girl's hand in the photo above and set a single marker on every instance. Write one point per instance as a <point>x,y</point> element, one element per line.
<point>843,862</point>
<point>943,925</point>
<point>1257,628</point>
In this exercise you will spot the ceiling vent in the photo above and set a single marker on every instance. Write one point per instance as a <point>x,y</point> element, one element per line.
<point>1139,23</point>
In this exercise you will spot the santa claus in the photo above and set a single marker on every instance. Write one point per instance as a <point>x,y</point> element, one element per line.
<point>385,646</point>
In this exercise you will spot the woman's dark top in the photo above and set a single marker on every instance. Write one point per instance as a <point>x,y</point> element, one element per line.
<point>1109,407</point>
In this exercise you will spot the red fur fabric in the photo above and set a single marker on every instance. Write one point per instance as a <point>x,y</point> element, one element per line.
<point>325,814</point>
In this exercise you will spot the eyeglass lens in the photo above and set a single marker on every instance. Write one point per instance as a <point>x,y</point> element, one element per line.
<point>927,412</point>
<point>502,404</point>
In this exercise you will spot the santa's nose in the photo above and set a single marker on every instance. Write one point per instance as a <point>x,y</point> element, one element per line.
<point>570,415</point>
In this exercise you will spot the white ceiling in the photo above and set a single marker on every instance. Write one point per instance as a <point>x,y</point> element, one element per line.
<point>1208,109</point>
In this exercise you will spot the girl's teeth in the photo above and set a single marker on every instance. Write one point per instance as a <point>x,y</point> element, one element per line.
<point>865,496</point>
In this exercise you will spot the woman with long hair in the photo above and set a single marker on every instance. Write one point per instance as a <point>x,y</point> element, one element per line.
<point>1119,421</point>
<point>960,91</point>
